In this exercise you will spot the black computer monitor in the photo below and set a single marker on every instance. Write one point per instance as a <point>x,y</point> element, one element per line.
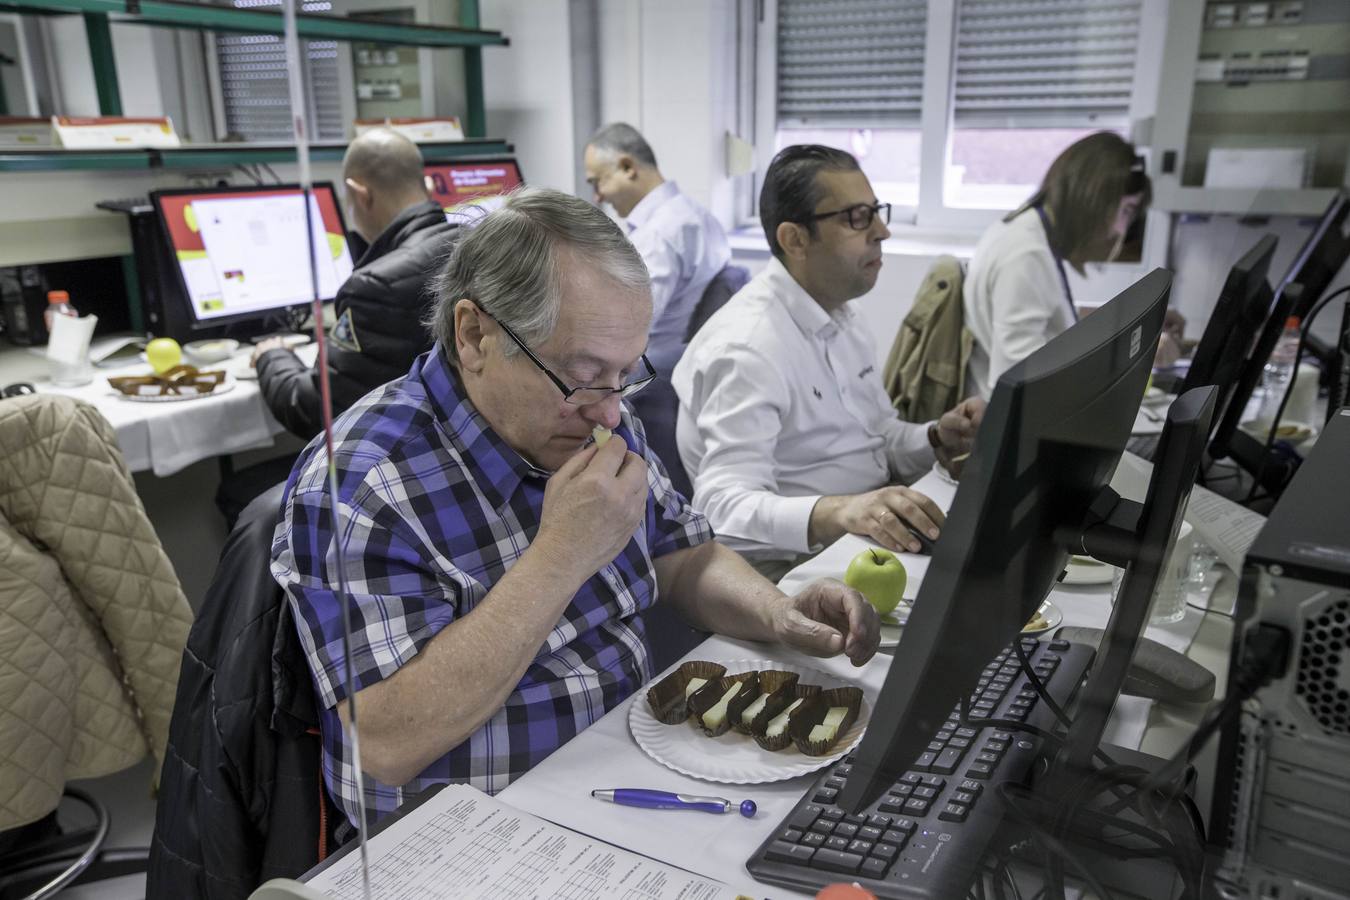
<point>239,253</point>
<point>1050,441</point>
<point>460,186</point>
<point>1317,262</point>
<point>1234,326</point>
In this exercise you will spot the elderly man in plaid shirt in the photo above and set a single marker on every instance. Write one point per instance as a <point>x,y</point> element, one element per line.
<point>497,561</point>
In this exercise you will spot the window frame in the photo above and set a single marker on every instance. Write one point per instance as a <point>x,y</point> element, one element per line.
<point>936,117</point>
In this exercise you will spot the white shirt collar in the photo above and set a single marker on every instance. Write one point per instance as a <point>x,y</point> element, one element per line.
<point>808,315</point>
<point>642,213</point>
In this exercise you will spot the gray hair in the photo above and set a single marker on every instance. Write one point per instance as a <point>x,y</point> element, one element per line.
<point>619,138</point>
<point>509,264</point>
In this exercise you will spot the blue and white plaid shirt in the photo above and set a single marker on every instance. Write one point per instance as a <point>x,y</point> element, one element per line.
<point>435,509</point>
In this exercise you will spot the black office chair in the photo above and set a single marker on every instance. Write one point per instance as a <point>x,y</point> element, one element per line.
<point>722,288</point>
<point>40,860</point>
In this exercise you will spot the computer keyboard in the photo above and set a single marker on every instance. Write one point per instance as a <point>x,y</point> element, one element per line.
<point>927,834</point>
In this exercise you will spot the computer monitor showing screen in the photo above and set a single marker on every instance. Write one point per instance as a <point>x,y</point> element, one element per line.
<point>241,253</point>
<point>460,186</point>
<point>1047,448</point>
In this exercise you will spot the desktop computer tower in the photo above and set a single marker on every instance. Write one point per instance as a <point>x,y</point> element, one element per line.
<point>1281,816</point>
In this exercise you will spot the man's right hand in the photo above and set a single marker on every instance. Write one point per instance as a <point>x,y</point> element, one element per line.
<point>592,506</point>
<point>881,514</point>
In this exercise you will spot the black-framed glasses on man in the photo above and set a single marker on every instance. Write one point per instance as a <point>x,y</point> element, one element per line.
<point>859,216</point>
<point>584,395</point>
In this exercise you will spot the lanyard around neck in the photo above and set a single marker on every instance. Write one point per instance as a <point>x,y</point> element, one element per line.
<point>1059,263</point>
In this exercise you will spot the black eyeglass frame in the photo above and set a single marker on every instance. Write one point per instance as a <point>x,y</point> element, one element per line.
<point>598,394</point>
<point>873,210</point>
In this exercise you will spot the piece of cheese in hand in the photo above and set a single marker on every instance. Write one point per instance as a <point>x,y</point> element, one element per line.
<point>748,714</point>
<point>780,721</point>
<point>693,685</point>
<point>827,729</point>
<point>601,435</point>
<point>717,716</point>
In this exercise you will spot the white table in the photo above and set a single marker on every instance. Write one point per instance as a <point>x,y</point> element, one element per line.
<point>165,437</point>
<point>605,755</point>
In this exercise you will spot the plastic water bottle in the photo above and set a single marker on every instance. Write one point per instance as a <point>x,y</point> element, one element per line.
<point>58,304</point>
<point>1279,368</point>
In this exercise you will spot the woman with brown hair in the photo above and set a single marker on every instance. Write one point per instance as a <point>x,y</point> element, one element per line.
<point>1016,292</point>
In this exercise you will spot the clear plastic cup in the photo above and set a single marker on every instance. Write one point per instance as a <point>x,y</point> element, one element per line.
<point>1169,602</point>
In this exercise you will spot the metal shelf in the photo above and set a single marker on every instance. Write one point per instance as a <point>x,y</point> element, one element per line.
<point>209,17</point>
<point>215,155</point>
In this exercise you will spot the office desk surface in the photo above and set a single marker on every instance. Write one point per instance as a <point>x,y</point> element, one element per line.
<point>162,437</point>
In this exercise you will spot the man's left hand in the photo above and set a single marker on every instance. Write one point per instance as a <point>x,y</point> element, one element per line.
<point>272,343</point>
<point>826,618</point>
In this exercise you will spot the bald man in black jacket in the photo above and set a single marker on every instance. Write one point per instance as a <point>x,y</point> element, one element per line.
<point>380,308</point>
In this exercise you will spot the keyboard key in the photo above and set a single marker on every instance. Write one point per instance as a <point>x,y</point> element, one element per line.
<point>984,704</point>
<point>903,790</point>
<point>948,760</point>
<point>822,825</point>
<point>836,861</point>
<point>955,812</point>
<point>856,819</point>
<point>987,757</point>
<point>892,805</point>
<point>965,797</point>
<point>944,735</point>
<point>925,760</point>
<point>792,836</point>
<point>879,821</point>
<point>825,795</point>
<point>995,746</point>
<point>781,851</point>
<point>966,732</point>
<point>870,832</point>
<point>835,842</point>
<point>813,839</point>
<point>1000,735</point>
<point>936,782</point>
<point>979,714</point>
<point>894,838</point>
<point>843,770</point>
<point>834,782</point>
<point>1058,645</point>
<point>979,770</point>
<point>860,846</point>
<point>910,778</point>
<point>916,807</point>
<point>845,829</point>
<point>873,867</point>
<point>802,818</point>
<point>832,812</point>
<point>936,746</point>
<point>971,787</point>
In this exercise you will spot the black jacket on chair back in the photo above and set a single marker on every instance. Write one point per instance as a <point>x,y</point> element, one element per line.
<point>241,796</point>
<point>379,329</point>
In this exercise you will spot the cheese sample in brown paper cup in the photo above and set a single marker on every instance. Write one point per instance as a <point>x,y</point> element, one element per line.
<point>773,691</point>
<point>669,697</point>
<point>714,706</point>
<point>824,719</point>
<point>773,732</point>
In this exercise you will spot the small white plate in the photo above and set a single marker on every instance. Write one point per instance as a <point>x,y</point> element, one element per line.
<point>1085,570</point>
<point>893,625</point>
<point>1050,612</point>
<point>211,351</point>
<point>735,758</point>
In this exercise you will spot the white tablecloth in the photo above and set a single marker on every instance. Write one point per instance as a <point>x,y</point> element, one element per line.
<point>165,438</point>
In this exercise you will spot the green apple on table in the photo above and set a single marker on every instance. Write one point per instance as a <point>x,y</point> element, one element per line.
<point>163,354</point>
<point>880,576</point>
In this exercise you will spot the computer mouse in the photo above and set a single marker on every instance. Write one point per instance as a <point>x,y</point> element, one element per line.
<point>17,389</point>
<point>926,543</point>
<point>1156,672</point>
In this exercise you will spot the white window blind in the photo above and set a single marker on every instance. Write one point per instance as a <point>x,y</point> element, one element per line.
<point>254,87</point>
<point>1045,63</point>
<point>850,63</point>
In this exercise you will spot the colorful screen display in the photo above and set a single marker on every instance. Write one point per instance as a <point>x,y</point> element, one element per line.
<point>458,186</point>
<point>244,251</point>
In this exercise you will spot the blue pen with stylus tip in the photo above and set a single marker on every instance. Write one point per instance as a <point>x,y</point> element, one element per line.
<point>649,799</point>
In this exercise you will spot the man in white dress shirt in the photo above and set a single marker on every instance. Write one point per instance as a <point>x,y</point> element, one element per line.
<point>784,426</point>
<point>680,241</point>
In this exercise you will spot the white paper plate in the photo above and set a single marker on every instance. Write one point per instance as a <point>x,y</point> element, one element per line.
<point>1082,570</point>
<point>735,758</point>
<point>224,387</point>
<point>1052,618</point>
<point>893,624</point>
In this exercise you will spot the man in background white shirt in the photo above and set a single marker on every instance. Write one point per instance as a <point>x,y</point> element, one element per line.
<point>784,426</point>
<point>680,241</point>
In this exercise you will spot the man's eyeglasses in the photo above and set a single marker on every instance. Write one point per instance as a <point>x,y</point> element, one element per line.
<point>585,395</point>
<point>859,217</point>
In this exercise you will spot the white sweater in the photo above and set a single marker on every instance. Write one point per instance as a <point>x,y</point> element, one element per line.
<point>1014,299</point>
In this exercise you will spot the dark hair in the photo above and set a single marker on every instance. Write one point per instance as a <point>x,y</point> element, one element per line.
<point>620,138</point>
<point>1083,189</point>
<point>791,191</point>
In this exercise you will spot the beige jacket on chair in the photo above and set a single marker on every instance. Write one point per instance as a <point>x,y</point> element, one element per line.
<point>925,371</point>
<point>92,618</point>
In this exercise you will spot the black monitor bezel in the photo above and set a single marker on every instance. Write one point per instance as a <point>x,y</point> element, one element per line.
<point>197,324</point>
